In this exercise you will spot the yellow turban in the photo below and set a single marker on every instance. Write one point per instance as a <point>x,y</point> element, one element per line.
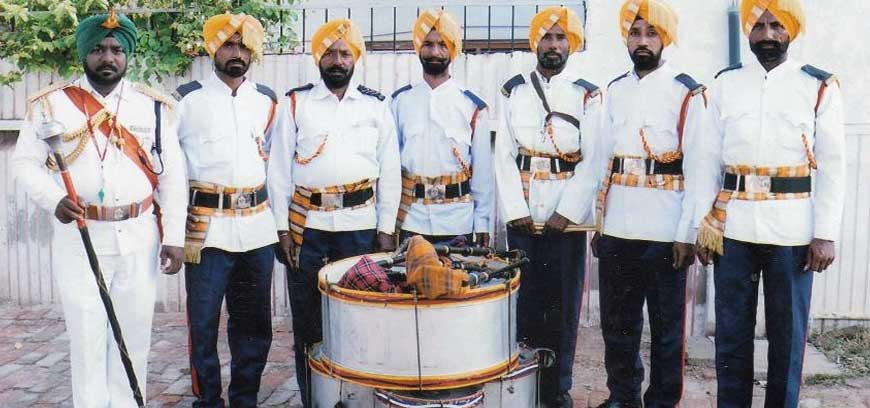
<point>657,13</point>
<point>788,12</point>
<point>335,30</point>
<point>566,18</point>
<point>444,24</point>
<point>221,27</point>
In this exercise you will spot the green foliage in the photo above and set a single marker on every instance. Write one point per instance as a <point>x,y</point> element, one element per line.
<point>39,35</point>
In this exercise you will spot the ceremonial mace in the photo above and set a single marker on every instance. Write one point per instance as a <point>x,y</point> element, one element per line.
<point>51,131</point>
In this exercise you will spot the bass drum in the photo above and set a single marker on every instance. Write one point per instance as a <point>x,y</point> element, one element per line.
<point>327,391</point>
<point>517,389</point>
<point>468,397</point>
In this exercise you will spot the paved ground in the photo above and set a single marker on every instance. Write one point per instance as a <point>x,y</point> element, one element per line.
<point>34,368</point>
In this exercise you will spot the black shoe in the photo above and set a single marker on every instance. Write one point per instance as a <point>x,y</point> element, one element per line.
<point>562,400</point>
<point>619,404</point>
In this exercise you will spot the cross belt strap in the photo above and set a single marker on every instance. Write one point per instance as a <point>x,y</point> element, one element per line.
<point>119,213</point>
<point>553,165</point>
<point>638,167</point>
<point>228,201</point>
<point>767,184</point>
<point>342,200</point>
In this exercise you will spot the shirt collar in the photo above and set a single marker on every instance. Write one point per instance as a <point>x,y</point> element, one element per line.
<point>320,91</point>
<point>756,66</point>
<point>444,87</point>
<point>663,69</point>
<point>217,84</point>
<point>121,91</point>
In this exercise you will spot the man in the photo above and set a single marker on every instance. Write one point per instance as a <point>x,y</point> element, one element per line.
<point>775,121</point>
<point>544,166</point>
<point>647,241</point>
<point>118,135</point>
<point>447,180</point>
<point>336,166</point>
<point>223,122</point>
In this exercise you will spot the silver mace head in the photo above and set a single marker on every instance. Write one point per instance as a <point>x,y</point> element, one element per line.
<point>50,131</point>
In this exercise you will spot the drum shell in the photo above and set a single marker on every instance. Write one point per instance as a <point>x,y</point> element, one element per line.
<point>468,397</point>
<point>518,389</point>
<point>327,390</point>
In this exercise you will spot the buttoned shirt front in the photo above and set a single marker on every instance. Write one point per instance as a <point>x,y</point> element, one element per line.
<point>119,179</point>
<point>431,123</point>
<point>758,120</point>
<point>218,130</point>
<point>522,125</point>
<point>652,103</point>
<point>347,141</point>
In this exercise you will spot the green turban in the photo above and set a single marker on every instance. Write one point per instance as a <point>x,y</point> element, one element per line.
<point>95,28</point>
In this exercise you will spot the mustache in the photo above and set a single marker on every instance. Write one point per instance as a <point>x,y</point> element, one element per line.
<point>108,67</point>
<point>236,60</point>
<point>434,60</point>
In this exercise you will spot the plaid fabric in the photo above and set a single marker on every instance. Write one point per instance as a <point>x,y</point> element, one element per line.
<point>409,184</point>
<point>301,204</point>
<point>712,230</point>
<point>428,275</point>
<point>367,276</point>
<point>195,238</point>
<point>526,178</point>
<point>667,182</point>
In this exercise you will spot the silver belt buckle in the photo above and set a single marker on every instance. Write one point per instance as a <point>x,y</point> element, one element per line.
<point>242,201</point>
<point>333,201</point>
<point>757,184</point>
<point>436,191</point>
<point>635,167</point>
<point>540,165</point>
<point>118,214</point>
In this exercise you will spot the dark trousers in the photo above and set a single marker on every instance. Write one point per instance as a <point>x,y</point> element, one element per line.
<point>632,272</point>
<point>787,290</point>
<point>548,307</point>
<point>318,248</point>
<point>245,280</point>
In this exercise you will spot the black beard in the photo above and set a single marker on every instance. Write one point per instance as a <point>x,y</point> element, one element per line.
<point>644,62</point>
<point>552,61</point>
<point>775,53</point>
<point>96,77</point>
<point>336,78</point>
<point>235,70</point>
<point>435,66</point>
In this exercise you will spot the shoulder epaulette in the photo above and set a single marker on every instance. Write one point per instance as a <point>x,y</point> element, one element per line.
<point>370,92</point>
<point>154,94</point>
<point>476,99</point>
<point>400,90</point>
<point>615,80</point>
<point>591,89</point>
<point>265,90</point>
<point>730,68</point>
<point>300,89</point>
<point>824,76</point>
<point>512,83</point>
<point>185,89</point>
<point>690,83</point>
<point>45,91</point>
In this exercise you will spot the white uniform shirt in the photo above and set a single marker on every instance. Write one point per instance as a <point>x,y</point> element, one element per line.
<point>430,123</point>
<point>360,144</point>
<point>522,125</point>
<point>652,103</point>
<point>121,180</point>
<point>758,118</point>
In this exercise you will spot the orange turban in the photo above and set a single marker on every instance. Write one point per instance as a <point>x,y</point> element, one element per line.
<point>788,12</point>
<point>566,18</point>
<point>657,13</point>
<point>221,27</point>
<point>444,24</point>
<point>335,30</point>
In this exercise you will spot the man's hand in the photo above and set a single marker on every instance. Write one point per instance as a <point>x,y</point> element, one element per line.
<point>385,242</point>
<point>191,222</point>
<point>556,224</point>
<point>284,251</point>
<point>820,255</point>
<point>171,259</point>
<point>524,225</point>
<point>68,211</point>
<point>594,244</point>
<point>684,255</point>
<point>705,255</point>
<point>482,239</point>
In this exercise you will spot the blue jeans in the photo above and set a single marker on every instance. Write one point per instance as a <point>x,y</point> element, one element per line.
<point>318,248</point>
<point>787,290</point>
<point>632,272</point>
<point>548,307</point>
<point>245,279</point>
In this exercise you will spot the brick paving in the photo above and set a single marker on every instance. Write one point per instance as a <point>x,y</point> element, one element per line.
<point>34,367</point>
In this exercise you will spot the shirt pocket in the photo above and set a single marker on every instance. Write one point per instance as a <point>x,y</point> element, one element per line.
<point>363,136</point>
<point>412,134</point>
<point>795,125</point>
<point>662,135</point>
<point>526,129</point>
<point>740,124</point>
<point>214,149</point>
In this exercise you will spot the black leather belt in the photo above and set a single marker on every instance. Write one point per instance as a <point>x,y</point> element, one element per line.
<point>451,191</point>
<point>348,199</point>
<point>557,165</point>
<point>777,185</point>
<point>199,198</point>
<point>651,166</point>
